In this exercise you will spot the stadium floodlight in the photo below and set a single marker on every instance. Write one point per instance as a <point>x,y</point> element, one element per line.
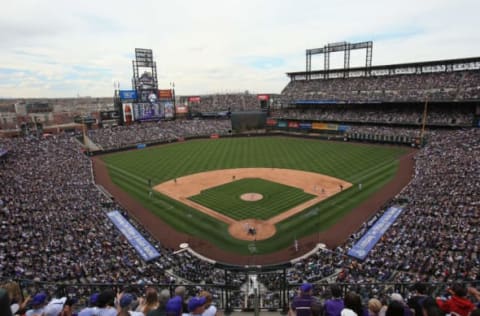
<point>344,47</point>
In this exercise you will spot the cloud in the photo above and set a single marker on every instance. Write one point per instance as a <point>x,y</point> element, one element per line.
<point>262,62</point>
<point>60,48</point>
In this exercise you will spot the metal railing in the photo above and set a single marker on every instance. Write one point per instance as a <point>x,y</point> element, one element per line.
<point>235,296</point>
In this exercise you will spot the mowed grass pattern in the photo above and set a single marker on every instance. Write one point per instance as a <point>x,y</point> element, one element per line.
<point>371,165</point>
<point>277,198</point>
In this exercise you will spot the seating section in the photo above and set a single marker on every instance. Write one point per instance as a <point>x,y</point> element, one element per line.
<point>437,87</point>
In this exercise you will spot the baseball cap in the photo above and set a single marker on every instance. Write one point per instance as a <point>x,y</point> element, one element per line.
<point>396,297</point>
<point>305,287</point>
<point>174,306</point>
<point>126,300</point>
<point>39,299</point>
<point>347,312</point>
<point>196,302</point>
<point>14,308</point>
<point>54,307</point>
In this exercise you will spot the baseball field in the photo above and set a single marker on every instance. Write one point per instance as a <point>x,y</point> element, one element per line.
<point>285,188</point>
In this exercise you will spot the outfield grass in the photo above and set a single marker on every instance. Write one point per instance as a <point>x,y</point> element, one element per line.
<point>277,198</point>
<point>371,165</point>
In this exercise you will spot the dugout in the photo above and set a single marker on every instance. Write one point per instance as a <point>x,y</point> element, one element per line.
<point>247,121</point>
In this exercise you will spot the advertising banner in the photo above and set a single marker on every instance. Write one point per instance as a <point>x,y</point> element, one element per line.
<point>293,124</point>
<point>362,247</point>
<point>168,109</point>
<point>141,245</point>
<point>194,99</point>
<point>324,126</point>
<point>182,109</point>
<point>332,127</point>
<point>128,116</point>
<point>271,122</point>
<point>263,97</point>
<point>282,124</point>
<point>305,125</point>
<point>128,94</point>
<point>165,94</point>
<point>321,126</point>
<point>300,102</point>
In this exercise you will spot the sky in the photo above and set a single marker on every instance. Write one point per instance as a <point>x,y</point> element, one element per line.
<point>63,48</point>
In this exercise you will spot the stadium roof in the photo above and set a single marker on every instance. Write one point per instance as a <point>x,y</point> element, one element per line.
<point>446,62</point>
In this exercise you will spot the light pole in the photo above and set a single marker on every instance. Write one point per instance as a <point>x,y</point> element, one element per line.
<point>172,87</point>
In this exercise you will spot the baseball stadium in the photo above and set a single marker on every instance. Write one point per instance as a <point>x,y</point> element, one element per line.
<point>361,180</point>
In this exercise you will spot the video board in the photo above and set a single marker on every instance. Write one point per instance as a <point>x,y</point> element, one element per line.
<point>148,111</point>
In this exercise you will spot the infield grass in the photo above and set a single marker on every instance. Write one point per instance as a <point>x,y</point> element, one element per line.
<point>371,165</point>
<point>277,198</point>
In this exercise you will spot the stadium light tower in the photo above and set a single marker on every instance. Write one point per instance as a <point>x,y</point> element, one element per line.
<point>344,47</point>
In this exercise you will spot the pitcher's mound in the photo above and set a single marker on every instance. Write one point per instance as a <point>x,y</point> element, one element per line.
<point>251,197</point>
<point>252,229</point>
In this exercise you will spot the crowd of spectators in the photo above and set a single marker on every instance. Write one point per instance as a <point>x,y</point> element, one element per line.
<point>386,130</point>
<point>156,132</point>
<point>333,302</point>
<point>411,115</point>
<point>306,300</point>
<point>55,229</point>
<point>223,102</point>
<point>197,271</point>
<point>110,301</point>
<point>436,237</point>
<point>54,226</point>
<point>443,86</point>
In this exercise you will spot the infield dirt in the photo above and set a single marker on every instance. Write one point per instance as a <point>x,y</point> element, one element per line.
<point>322,186</point>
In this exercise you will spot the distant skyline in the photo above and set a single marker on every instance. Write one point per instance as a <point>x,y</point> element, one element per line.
<point>67,49</point>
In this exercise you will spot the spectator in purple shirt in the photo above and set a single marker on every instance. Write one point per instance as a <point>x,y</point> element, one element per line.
<point>334,306</point>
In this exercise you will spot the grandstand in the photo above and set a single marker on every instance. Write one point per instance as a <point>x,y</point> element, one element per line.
<point>392,94</point>
<point>57,236</point>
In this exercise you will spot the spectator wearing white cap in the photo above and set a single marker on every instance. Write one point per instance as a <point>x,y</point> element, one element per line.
<point>55,307</point>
